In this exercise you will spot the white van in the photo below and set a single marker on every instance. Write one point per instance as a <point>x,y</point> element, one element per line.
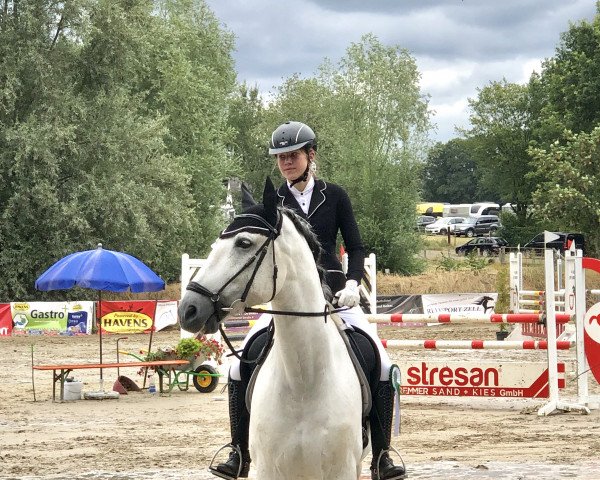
<point>457,210</point>
<point>484,208</point>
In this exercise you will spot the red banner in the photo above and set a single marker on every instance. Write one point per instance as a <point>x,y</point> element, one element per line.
<point>127,317</point>
<point>6,322</point>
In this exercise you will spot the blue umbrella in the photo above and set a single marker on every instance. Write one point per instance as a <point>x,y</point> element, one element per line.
<point>100,269</point>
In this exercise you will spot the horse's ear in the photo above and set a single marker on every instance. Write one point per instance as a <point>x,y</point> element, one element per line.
<point>247,198</point>
<point>270,202</point>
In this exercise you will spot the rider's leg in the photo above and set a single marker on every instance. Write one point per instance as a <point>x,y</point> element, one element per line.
<point>382,411</point>
<point>239,417</point>
<point>380,420</point>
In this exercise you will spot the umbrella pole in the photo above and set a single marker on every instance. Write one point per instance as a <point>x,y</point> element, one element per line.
<point>99,317</point>
<point>150,342</point>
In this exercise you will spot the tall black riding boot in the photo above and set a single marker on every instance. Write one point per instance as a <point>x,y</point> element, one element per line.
<point>380,419</point>
<point>239,418</point>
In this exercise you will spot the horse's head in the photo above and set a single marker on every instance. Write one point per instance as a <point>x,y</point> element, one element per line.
<point>248,265</point>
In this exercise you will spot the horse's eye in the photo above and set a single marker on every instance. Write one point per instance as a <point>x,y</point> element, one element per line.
<point>243,242</point>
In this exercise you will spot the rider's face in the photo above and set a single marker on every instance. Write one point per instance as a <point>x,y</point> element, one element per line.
<point>293,164</point>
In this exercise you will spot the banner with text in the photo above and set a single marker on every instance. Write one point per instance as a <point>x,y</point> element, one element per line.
<point>459,303</point>
<point>71,318</point>
<point>478,379</point>
<point>127,317</point>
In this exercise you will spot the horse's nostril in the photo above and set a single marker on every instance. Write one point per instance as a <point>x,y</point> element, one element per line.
<point>190,312</point>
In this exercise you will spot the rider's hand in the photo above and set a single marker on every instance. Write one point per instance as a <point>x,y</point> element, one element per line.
<point>348,296</point>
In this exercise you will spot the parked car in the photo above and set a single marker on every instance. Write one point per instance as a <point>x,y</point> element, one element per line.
<point>423,221</point>
<point>472,227</point>
<point>483,246</point>
<point>442,225</point>
<point>561,243</point>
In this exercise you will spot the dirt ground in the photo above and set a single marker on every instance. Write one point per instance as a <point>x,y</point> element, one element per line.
<point>175,435</point>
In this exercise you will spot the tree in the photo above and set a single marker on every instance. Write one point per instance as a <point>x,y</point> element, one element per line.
<point>501,117</point>
<point>449,173</point>
<point>569,199</point>
<point>570,82</point>
<point>247,144</point>
<point>112,130</point>
<point>371,122</point>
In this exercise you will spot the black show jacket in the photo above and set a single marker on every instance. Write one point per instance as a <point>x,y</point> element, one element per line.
<point>330,212</point>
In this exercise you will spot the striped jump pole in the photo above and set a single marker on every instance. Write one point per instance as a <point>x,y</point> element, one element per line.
<point>539,293</point>
<point>475,344</point>
<point>461,318</point>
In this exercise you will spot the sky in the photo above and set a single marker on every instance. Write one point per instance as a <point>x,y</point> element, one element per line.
<point>459,45</point>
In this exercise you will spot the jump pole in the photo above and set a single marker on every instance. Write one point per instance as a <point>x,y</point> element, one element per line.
<point>554,404</point>
<point>475,344</point>
<point>461,318</point>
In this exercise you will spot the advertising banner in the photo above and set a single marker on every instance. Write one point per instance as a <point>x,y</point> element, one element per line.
<point>166,314</point>
<point>73,318</point>
<point>399,304</point>
<point>127,316</point>
<point>5,320</point>
<point>461,303</point>
<point>478,379</point>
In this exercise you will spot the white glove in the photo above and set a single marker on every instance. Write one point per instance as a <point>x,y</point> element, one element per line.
<point>349,296</point>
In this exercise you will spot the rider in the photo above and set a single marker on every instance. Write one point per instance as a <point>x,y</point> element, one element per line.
<point>327,208</point>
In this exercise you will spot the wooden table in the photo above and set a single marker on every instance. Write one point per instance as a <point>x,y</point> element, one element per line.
<point>163,367</point>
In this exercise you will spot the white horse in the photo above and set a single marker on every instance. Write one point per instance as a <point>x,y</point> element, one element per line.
<point>306,405</point>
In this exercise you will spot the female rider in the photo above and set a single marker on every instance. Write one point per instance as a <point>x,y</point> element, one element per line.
<point>327,208</point>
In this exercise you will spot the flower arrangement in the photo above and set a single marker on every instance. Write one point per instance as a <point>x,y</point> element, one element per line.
<point>189,349</point>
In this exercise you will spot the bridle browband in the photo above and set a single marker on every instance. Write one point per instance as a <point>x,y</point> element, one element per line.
<point>259,255</point>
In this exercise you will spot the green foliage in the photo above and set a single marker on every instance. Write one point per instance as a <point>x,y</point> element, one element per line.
<point>569,196</point>
<point>371,121</point>
<point>501,117</point>
<point>112,130</point>
<point>449,264</point>
<point>570,82</point>
<point>519,230</point>
<point>472,262</point>
<point>450,173</point>
<point>475,262</point>
<point>503,289</point>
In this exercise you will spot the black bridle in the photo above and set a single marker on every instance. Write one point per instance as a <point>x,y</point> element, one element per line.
<point>258,257</point>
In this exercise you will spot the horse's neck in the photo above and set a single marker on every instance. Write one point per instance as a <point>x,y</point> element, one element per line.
<point>303,345</point>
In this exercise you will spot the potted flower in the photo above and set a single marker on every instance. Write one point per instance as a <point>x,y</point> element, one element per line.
<point>195,350</point>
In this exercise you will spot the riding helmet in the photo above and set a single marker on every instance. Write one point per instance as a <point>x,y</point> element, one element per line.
<point>292,136</point>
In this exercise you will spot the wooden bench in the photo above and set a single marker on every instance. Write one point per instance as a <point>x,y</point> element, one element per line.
<point>164,366</point>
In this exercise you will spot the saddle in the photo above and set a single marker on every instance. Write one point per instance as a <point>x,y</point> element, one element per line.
<point>361,349</point>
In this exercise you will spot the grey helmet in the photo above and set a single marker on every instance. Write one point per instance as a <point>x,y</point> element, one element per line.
<point>292,136</point>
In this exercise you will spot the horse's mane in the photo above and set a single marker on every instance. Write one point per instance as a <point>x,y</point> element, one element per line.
<point>309,235</point>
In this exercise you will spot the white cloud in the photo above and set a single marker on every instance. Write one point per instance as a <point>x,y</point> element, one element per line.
<point>459,45</point>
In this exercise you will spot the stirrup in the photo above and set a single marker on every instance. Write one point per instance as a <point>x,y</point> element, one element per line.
<point>214,470</point>
<point>381,454</point>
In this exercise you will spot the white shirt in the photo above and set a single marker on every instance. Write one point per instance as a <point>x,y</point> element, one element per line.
<point>303,198</point>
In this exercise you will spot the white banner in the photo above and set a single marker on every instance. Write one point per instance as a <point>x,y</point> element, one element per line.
<point>166,314</point>
<point>461,303</point>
